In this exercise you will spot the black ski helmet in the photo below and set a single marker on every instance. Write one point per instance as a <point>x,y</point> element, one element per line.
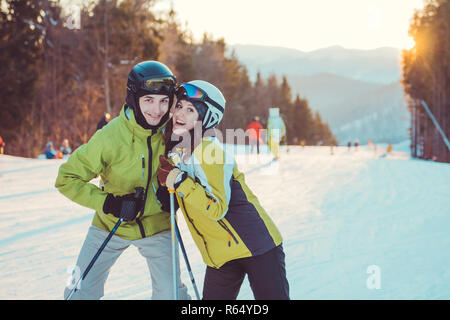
<point>149,77</point>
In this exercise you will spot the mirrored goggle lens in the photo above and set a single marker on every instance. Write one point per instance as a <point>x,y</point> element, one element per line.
<point>192,91</point>
<point>157,84</point>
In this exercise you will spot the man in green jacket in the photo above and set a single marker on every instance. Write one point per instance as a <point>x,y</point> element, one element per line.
<point>125,154</point>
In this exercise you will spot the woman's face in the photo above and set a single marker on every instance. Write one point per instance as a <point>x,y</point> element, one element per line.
<point>184,117</point>
<point>154,107</point>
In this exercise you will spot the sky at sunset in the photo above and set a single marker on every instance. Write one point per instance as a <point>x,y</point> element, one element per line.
<point>302,24</point>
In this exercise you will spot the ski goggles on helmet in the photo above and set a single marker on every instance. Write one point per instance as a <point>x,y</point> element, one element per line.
<point>192,92</point>
<point>158,84</point>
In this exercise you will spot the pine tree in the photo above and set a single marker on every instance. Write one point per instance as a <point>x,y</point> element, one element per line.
<point>20,54</point>
<point>258,104</point>
<point>176,49</point>
<point>69,77</point>
<point>303,119</point>
<point>426,76</point>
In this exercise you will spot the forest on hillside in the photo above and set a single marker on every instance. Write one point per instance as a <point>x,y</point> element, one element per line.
<point>61,72</point>
<point>426,81</point>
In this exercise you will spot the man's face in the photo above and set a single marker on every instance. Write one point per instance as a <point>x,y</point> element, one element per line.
<point>154,107</point>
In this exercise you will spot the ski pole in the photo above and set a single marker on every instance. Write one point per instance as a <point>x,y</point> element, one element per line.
<point>174,245</point>
<point>139,191</point>
<point>94,259</point>
<point>188,265</point>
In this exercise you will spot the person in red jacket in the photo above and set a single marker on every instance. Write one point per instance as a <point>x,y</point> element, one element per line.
<point>2,145</point>
<point>253,130</point>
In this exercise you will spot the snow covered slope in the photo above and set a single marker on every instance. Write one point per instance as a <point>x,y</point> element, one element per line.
<point>340,215</point>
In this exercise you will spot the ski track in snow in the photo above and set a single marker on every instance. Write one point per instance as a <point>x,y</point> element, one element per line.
<point>338,215</point>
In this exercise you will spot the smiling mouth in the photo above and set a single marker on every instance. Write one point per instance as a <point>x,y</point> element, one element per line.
<point>180,123</point>
<point>152,116</point>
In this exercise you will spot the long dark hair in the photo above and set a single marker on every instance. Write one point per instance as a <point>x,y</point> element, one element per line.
<point>172,140</point>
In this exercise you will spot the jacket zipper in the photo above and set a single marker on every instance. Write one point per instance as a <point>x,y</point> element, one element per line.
<point>231,235</point>
<point>150,154</point>
<point>222,223</point>
<point>143,167</point>
<point>198,232</point>
<point>143,180</point>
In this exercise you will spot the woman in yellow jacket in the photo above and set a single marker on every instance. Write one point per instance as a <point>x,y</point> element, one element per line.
<point>234,234</point>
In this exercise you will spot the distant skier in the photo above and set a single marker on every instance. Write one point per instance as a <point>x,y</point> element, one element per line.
<point>65,148</point>
<point>2,145</point>
<point>104,121</point>
<point>356,144</point>
<point>349,145</point>
<point>303,143</point>
<point>254,134</point>
<point>389,148</point>
<point>276,131</point>
<point>50,152</point>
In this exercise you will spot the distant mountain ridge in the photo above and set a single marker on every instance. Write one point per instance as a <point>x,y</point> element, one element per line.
<point>325,90</point>
<point>357,92</point>
<point>379,65</point>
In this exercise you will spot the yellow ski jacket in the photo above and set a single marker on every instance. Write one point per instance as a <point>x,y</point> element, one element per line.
<point>125,156</point>
<point>225,218</point>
